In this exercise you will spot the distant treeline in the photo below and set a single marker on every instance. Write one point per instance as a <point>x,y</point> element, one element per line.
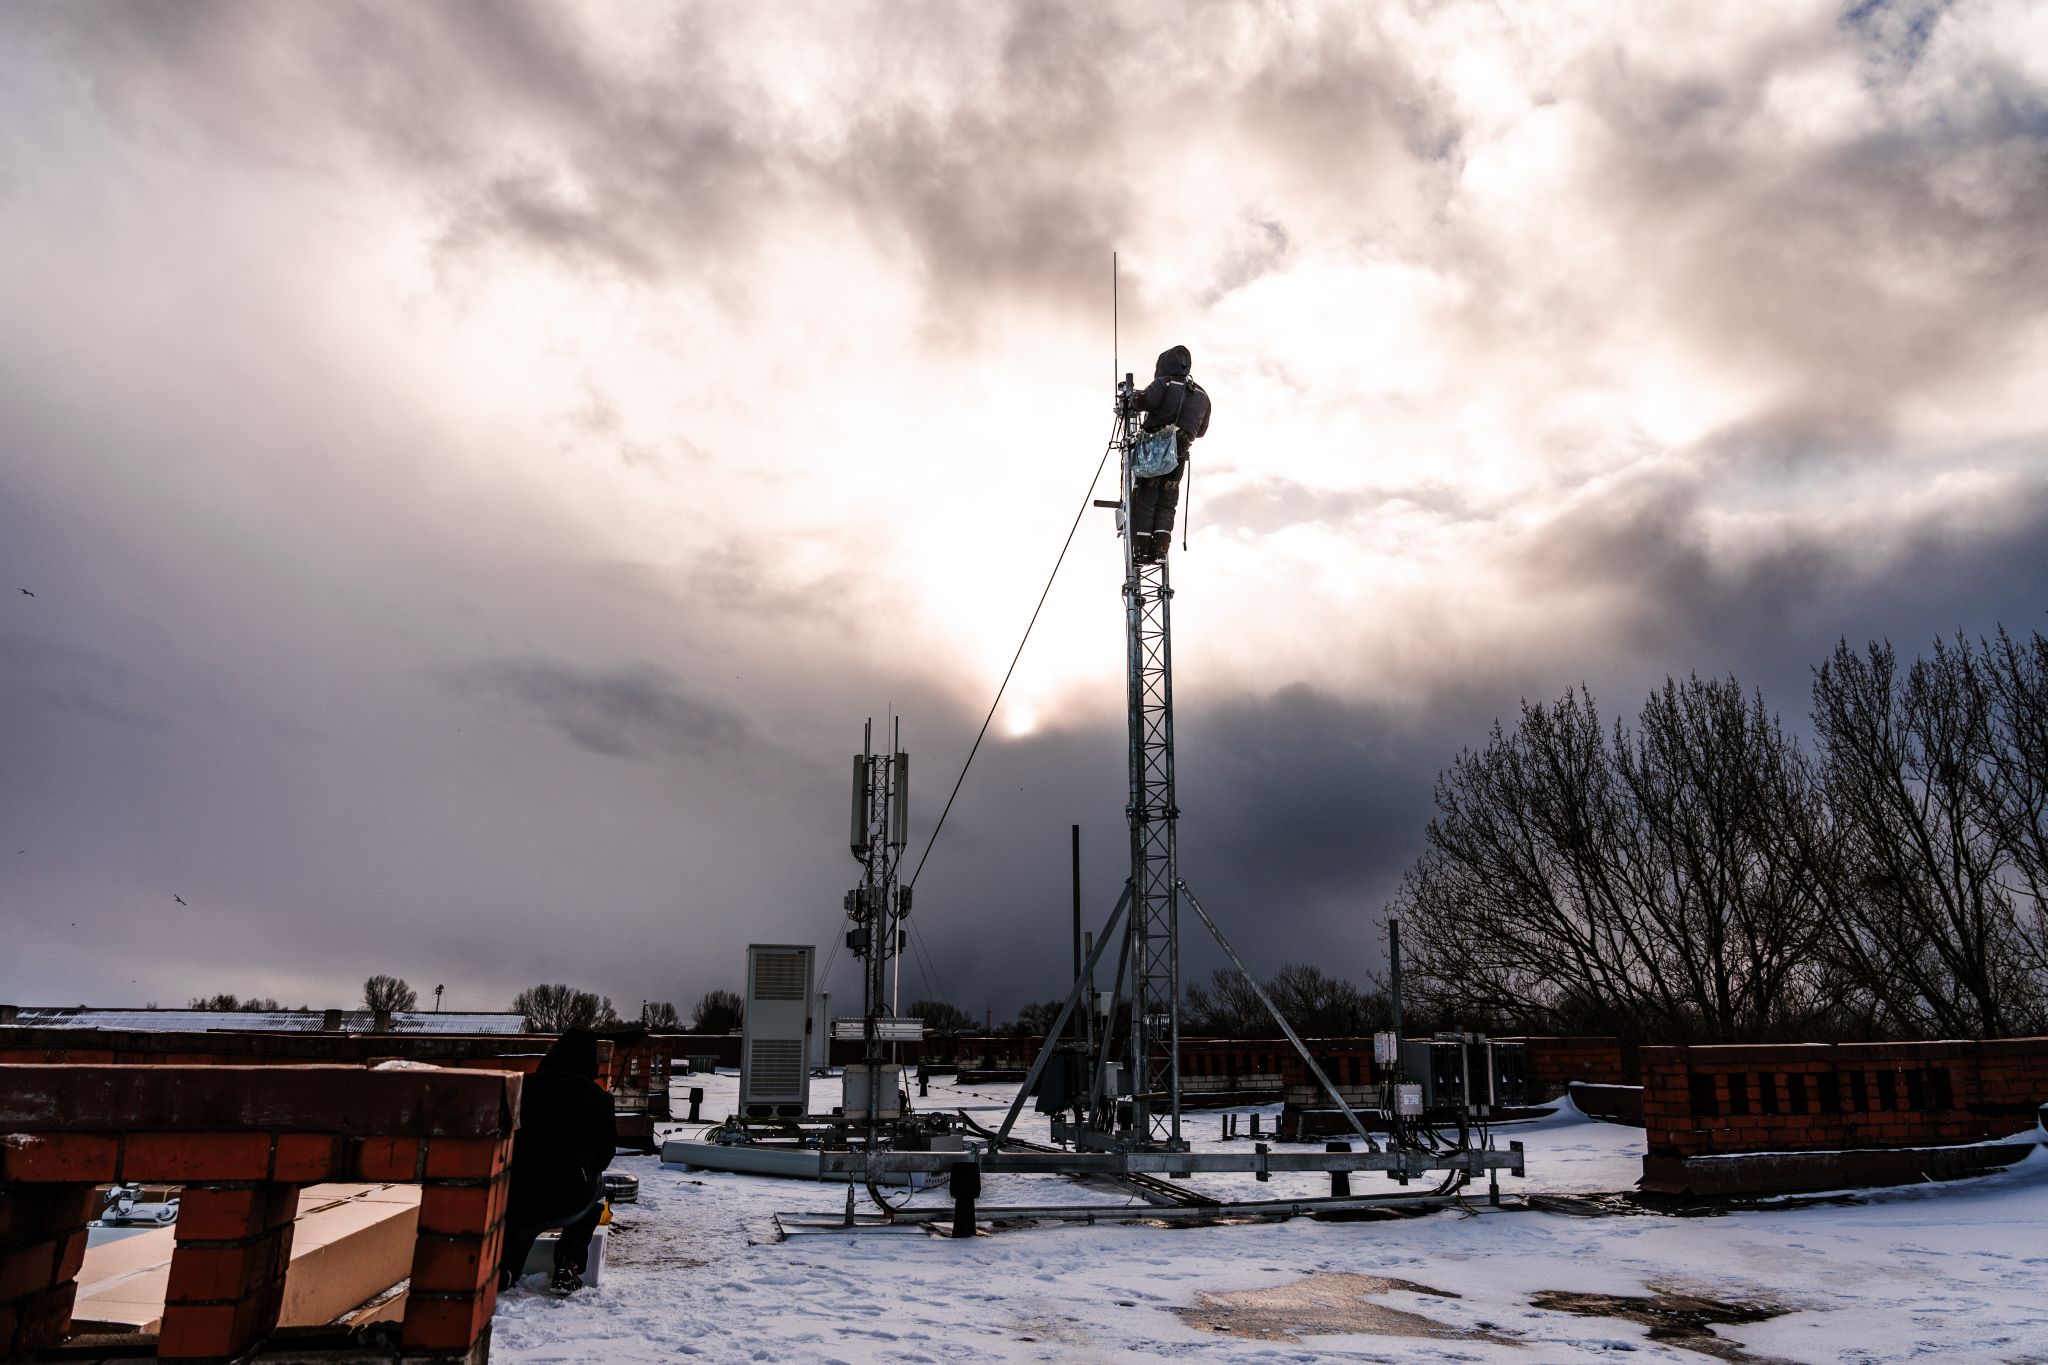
<point>1315,1003</point>
<point>1703,877</point>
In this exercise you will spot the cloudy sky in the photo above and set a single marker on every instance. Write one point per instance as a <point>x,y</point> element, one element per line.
<point>478,465</point>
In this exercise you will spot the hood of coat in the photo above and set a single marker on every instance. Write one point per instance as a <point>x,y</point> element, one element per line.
<point>1174,363</point>
<point>575,1052</point>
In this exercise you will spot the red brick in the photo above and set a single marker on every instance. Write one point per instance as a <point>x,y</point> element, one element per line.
<point>396,1159</point>
<point>462,1210</point>
<point>216,1331</point>
<point>202,1274</point>
<point>36,1157</point>
<point>28,1324</point>
<point>461,1265</point>
<point>446,1324</point>
<point>225,1215</point>
<point>179,1157</point>
<point>467,1158</point>
<point>307,1158</point>
<point>205,1331</point>
<point>27,1269</point>
<point>32,1212</point>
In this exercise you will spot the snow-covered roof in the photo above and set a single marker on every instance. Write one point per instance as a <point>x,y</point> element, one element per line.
<point>421,1021</point>
<point>263,1021</point>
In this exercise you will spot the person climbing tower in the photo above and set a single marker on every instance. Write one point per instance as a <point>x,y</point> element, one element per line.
<point>1172,400</point>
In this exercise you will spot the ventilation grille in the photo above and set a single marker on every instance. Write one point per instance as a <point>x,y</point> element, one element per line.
<point>776,1069</point>
<point>779,976</point>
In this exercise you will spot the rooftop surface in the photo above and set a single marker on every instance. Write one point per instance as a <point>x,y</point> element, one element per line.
<point>697,1269</point>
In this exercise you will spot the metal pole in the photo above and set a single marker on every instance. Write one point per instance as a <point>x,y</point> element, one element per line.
<point>1088,1001</point>
<point>1077,906</point>
<point>1394,967</point>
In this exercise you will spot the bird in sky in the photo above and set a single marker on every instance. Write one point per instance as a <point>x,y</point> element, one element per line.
<point>179,899</point>
<point>26,593</point>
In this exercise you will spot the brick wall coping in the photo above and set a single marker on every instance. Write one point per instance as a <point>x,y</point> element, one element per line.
<point>55,1098</point>
<point>1708,1055</point>
<point>323,1046</point>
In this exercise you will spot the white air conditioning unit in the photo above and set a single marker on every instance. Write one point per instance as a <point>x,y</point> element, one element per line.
<point>775,1038</point>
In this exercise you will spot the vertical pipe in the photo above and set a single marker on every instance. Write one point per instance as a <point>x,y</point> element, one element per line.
<point>1088,998</point>
<point>1077,913</point>
<point>1394,968</point>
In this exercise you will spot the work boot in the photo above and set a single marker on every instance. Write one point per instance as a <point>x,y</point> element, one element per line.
<point>1162,541</point>
<point>566,1281</point>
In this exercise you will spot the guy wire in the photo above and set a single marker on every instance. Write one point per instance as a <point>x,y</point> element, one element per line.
<point>1083,511</point>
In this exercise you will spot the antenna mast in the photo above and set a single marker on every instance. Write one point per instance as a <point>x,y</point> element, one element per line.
<point>1152,1047</point>
<point>876,835</point>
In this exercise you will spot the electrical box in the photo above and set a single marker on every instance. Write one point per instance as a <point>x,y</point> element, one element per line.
<point>873,1092</point>
<point>1507,1068</point>
<point>1438,1066</point>
<point>1408,1101</point>
<point>821,1038</point>
<point>1460,1070</point>
<point>1386,1049</point>
<point>775,1036</point>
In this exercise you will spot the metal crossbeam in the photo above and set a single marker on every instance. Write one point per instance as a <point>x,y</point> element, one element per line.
<point>1406,1161</point>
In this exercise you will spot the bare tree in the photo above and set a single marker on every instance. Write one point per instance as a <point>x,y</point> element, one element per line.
<point>1725,859</point>
<point>1036,1020</point>
<point>718,1011</point>
<point>1314,1002</point>
<point>1320,1005</point>
<point>1659,880</point>
<point>942,1020</point>
<point>1928,778</point>
<point>1226,1008</point>
<point>2017,674</point>
<point>552,1008</point>
<point>226,1001</point>
<point>660,1015</point>
<point>382,993</point>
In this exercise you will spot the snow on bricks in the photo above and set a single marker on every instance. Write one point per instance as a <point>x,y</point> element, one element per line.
<point>241,1141</point>
<point>1818,1116</point>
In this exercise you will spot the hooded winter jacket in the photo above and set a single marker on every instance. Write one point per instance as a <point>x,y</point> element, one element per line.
<point>1174,397</point>
<point>566,1132</point>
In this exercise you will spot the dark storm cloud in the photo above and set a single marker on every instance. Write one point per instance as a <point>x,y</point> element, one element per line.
<point>630,712</point>
<point>1646,544</point>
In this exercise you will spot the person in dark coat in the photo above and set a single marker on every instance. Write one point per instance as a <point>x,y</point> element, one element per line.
<point>1173,398</point>
<point>567,1132</point>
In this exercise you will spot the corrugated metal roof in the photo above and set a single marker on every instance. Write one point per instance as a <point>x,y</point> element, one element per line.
<point>421,1021</point>
<point>262,1021</point>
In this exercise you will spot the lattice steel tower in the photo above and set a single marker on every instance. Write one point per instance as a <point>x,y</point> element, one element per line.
<point>1153,948</point>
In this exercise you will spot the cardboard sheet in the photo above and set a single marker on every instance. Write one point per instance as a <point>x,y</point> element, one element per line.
<point>349,1244</point>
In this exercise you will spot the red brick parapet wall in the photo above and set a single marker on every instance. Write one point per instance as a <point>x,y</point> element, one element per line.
<point>1713,1102</point>
<point>241,1142</point>
<point>1554,1063</point>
